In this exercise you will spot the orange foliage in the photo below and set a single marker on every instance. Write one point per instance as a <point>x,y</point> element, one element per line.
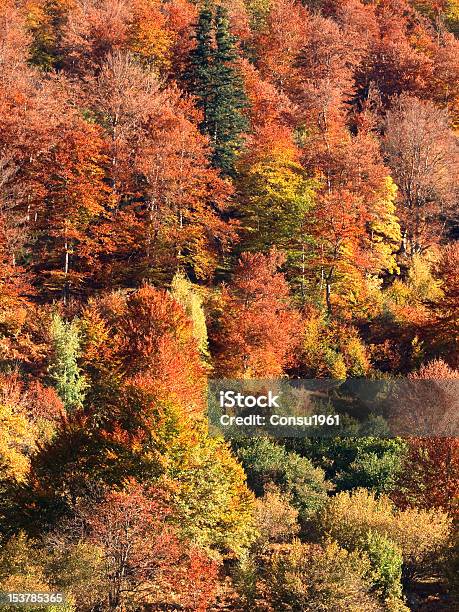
<point>143,552</point>
<point>159,350</point>
<point>258,327</point>
<point>431,477</point>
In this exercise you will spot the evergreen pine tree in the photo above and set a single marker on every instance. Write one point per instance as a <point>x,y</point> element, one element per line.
<point>230,99</point>
<point>200,74</point>
<point>218,86</point>
<point>64,372</point>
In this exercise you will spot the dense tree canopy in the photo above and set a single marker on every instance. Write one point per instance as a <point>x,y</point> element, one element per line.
<point>248,189</point>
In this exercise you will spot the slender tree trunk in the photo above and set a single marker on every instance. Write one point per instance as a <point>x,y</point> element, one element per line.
<point>66,266</point>
<point>328,280</point>
<point>303,272</point>
<point>327,297</point>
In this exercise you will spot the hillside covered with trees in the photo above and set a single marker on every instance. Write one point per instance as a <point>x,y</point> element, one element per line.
<point>247,189</point>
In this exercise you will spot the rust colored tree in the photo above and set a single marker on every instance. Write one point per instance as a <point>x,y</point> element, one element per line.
<point>144,558</point>
<point>258,327</point>
<point>431,477</point>
<point>159,349</point>
<point>423,155</point>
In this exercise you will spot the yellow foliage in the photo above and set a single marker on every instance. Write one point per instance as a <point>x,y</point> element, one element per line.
<point>385,229</point>
<point>449,12</point>
<point>149,38</point>
<point>21,571</point>
<point>16,442</point>
<point>421,282</point>
<point>276,518</point>
<point>408,299</point>
<point>310,578</point>
<point>216,508</point>
<point>349,517</point>
<point>332,350</point>
<point>187,295</point>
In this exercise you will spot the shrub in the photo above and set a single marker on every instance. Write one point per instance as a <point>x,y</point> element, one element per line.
<point>371,462</point>
<point>312,578</point>
<point>453,564</point>
<point>386,562</point>
<point>420,534</point>
<point>266,462</point>
<point>22,569</point>
<point>276,518</point>
<point>245,580</point>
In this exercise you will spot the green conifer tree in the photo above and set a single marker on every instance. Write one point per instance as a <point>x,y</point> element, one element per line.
<point>200,73</point>
<point>219,88</point>
<point>64,371</point>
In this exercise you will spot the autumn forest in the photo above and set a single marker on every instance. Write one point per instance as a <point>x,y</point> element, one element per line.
<point>225,189</point>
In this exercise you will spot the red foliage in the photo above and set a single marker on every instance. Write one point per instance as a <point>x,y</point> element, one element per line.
<point>142,550</point>
<point>395,63</point>
<point>43,402</point>
<point>353,176</point>
<point>427,401</point>
<point>167,198</point>
<point>73,192</point>
<point>159,350</point>
<point>14,40</point>
<point>14,282</point>
<point>35,400</point>
<point>258,327</point>
<point>181,16</point>
<point>323,73</point>
<point>279,42</point>
<point>268,105</point>
<point>443,88</point>
<point>431,475</point>
<point>423,155</point>
<point>444,330</point>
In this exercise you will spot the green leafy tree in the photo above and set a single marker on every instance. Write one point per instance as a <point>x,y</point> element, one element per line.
<point>268,463</point>
<point>386,560</point>
<point>275,195</point>
<point>64,371</point>
<point>214,505</point>
<point>446,11</point>
<point>371,462</point>
<point>75,567</point>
